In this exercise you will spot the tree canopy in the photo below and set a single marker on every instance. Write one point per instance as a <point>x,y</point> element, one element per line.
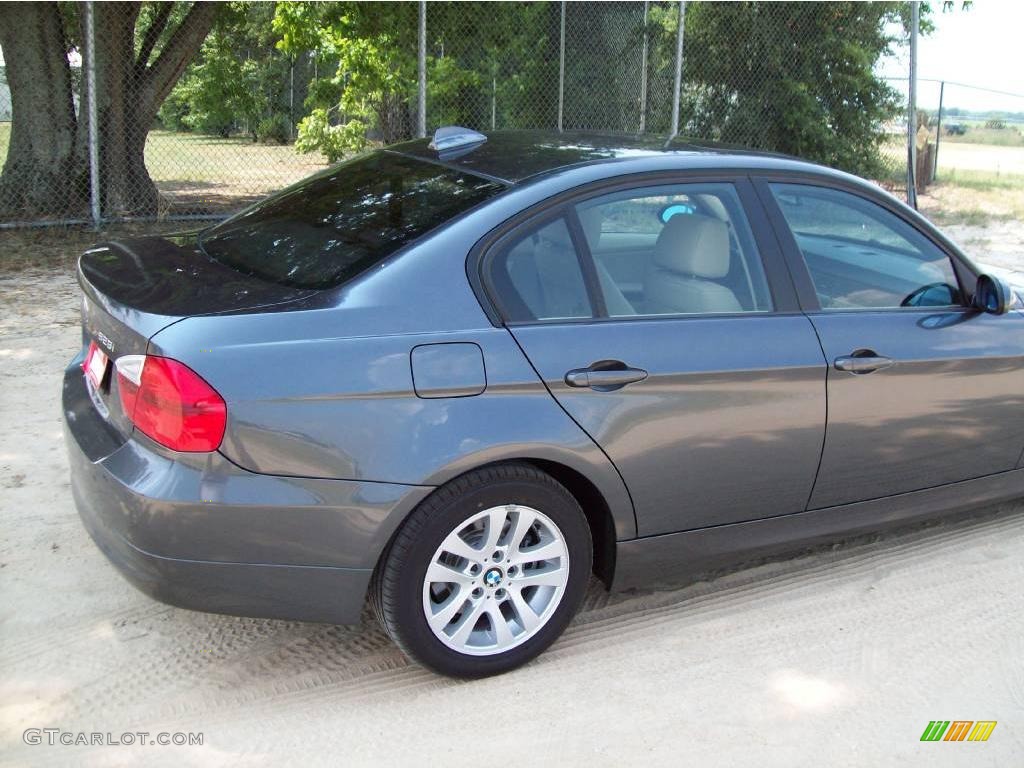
<point>795,77</point>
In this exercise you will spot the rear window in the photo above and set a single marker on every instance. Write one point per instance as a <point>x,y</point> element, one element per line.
<point>327,229</point>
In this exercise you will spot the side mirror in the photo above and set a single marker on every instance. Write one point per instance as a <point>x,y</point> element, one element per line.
<point>992,295</point>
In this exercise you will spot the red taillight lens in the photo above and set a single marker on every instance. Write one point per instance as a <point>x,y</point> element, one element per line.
<point>171,403</point>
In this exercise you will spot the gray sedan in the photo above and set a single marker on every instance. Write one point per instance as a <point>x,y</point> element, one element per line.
<point>457,377</point>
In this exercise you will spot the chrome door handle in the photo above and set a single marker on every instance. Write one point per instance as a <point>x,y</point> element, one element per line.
<point>603,379</point>
<point>863,361</point>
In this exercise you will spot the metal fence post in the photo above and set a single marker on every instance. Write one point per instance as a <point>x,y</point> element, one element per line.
<point>643,76</point>
<point>92,115</point>
<point>912,109</point>
<point>561,71</point>
<point>938,132</point>
<point>679,71</point>
<point>421,107</point>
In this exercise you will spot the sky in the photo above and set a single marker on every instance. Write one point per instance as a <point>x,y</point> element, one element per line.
<point>981,46</point>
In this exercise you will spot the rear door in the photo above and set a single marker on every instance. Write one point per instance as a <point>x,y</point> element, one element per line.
<point>666,325</point>
<point>922,389</point>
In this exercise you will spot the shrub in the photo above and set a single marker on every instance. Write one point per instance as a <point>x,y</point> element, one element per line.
<point>275,129</point>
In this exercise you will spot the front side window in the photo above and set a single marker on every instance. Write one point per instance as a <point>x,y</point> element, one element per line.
<point>327,229</point>
<point>861,255</point>
<point>674,250</point>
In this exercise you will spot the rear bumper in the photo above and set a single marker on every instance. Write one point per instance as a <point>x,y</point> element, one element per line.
<point>198,532</point>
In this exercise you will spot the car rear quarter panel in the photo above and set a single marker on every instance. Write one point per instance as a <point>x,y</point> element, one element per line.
<point>329,392</point>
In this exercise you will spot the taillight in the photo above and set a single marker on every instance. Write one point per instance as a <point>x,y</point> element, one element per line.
<point>171,403</point>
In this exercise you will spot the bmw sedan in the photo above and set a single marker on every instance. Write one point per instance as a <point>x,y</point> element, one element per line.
<point>454,378</point>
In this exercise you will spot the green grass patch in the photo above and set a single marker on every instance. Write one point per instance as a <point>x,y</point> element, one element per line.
<point>971,217</point>
<point>979,180</point>
<point>999,137</point>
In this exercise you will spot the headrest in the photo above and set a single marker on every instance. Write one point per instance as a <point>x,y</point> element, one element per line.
<point>694,245</point>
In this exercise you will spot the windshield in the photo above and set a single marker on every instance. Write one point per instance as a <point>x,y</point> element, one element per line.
<point>327,229</point>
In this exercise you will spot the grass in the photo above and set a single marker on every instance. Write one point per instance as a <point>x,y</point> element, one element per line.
<point>975,198</point>
<point>199,174</point>
<point>996,137</point>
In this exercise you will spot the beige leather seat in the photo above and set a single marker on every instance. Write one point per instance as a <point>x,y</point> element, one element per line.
<point>691,253</point>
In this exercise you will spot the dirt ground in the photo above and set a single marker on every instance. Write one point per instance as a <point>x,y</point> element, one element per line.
<point>838,657</point>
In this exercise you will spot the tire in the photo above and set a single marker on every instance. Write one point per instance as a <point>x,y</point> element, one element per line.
<point>514,607</point>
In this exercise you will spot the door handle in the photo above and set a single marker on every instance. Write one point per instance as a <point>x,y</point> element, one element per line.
<point>603,379</point>
<point>863,361</point>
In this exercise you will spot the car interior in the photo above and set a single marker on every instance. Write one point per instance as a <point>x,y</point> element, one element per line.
<point>861,256</point>
<point>655,252</point>
<point>689,250</point>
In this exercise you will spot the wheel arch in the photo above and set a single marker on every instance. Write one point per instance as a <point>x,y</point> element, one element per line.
<point>604,522</point>
<point>595,509</point>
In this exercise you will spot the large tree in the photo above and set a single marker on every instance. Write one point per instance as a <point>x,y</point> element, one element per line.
<point>141,51</point>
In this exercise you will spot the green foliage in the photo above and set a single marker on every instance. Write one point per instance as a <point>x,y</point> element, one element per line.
<point>371,48</point>
<point>237,81</point>
<point>275,129</point>
<point>995,124</point>
<point>480,55</point>
<point>791,77</point>
<point>318,134</point>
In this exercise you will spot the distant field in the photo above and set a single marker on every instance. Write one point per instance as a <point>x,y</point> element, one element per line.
<point>1011,136</point>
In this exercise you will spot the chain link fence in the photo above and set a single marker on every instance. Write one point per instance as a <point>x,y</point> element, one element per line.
<point>198,106</point>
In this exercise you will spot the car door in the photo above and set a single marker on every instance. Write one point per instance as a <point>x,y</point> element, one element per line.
<point>692,367</point>
<point>922,389</point>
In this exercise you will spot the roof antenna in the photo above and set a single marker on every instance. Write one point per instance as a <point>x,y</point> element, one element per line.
<point>455,137</point>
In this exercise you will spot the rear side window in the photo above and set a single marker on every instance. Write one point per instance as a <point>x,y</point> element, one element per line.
<point>861,255</point>
<point>679,249</point>
<point>327,229</point>
<point>538,276</point>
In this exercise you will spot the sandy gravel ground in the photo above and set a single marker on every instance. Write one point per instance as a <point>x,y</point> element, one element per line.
<point>838,657</point>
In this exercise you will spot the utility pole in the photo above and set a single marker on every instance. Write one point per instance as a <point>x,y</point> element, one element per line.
<point>938,132</point>
<point>915,20</point>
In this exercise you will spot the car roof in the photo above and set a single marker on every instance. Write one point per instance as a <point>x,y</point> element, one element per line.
<point>511,156</point>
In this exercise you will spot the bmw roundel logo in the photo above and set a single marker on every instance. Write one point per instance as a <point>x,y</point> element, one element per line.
<point>492,578</point>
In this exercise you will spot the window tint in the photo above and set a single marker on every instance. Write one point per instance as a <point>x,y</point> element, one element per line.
<point>538,276</point>
<point>860,255</point>
<point>330,227</point>
<point>674,249</point>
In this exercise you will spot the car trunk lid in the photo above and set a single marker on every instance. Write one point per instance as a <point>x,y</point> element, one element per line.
<point>136,287</point>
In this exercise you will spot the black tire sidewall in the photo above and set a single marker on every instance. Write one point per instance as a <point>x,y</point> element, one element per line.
<point>407,616</point>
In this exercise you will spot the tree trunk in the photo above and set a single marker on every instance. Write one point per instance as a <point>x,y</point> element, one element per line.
<point>41,177</point>
<point>47,172</point>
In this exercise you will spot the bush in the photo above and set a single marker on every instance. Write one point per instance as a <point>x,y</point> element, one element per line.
<point>996,124</point>
<point>275,129</point>
<point>317,134</point>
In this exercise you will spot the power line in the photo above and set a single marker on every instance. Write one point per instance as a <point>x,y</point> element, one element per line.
<point>961,85</point>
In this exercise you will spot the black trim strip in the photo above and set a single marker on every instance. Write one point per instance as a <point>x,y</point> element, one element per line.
<point>586,259</point>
